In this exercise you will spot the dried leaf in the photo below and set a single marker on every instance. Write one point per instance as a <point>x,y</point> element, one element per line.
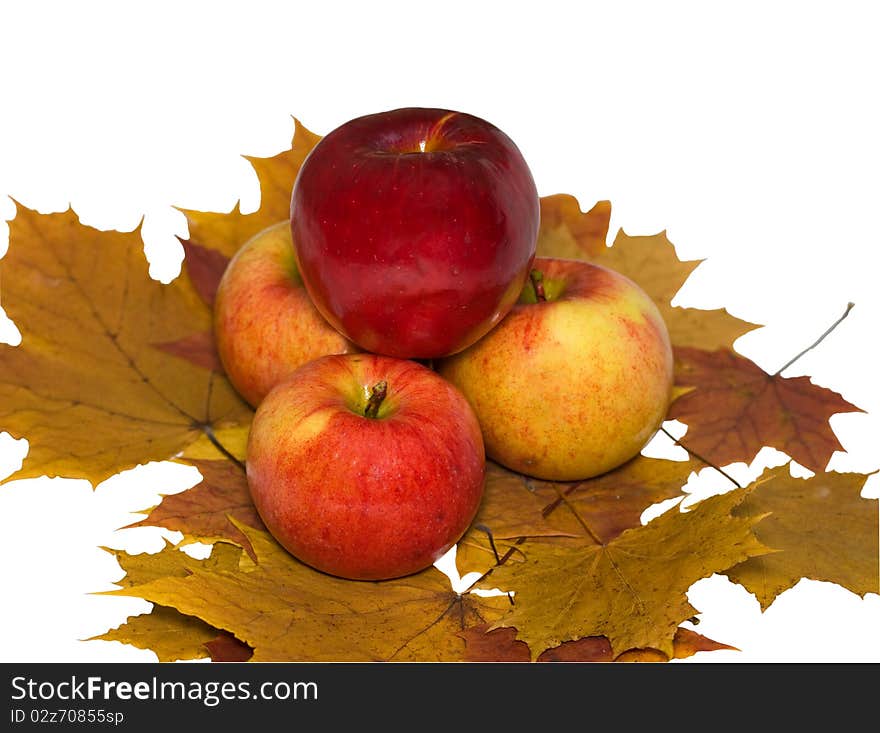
<point>87,387</point>
<point>225,233</point>
<point>604,506</point>
<point>205,268</point>
<point>165,631</point>
<point>170,561</point>
<point>687,643</point>
<point>287,611</point>
<point>567,232</point>
<point>631,590</point>
<point>205,513</point>
<point>501,645</point>
<point>511,508</point>
<point>737,408</point>
<point>651,261</point>
<point>233,439</point>
<point>822,528</point>
<point>226,648</point>
<point>597,510</point>
<point>197,348</point>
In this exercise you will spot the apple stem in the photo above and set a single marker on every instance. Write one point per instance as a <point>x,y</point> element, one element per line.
<point>537,278</point>
<point>377,395</point>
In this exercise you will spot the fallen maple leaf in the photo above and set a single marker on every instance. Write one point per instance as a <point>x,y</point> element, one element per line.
<point>208,511</point>
<point>515,506</point>
<point>501,645</point>
<point>225,233</point>
<point>736,408</point>
<point>226,648</point>
<point>171,562</point>
<point>651,261</point>
<point>166,632</point>
<point>229,443</point>
<point>566,231</point>
<point>511,508</point>
<point>285,610</point>
<point>602,507</point>
<point>631,590</point>
<point>205,268</point>
<point>87,386</point>
<point>822,528</point>
<point>197,348</point>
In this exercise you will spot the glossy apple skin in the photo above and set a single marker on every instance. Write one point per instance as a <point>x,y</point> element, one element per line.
<point>408,253</point>
<point>572,387</point>
<point>358,497</point>
<point>265,325</point>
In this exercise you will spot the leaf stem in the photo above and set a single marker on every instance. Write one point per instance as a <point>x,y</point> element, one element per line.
<point>849,307</point>
<point>700,458</point>
<point>209,432</point>
<point>484,528</point>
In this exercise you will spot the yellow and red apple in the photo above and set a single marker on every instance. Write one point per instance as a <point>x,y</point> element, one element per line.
<point>265,325</point>
<point>366,466</point>
<point>577,377</point>
<point>414,229</point>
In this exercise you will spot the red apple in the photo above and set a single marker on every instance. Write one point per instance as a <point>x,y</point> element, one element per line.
<point>415,229</point>
<point>265,325</point>
<point>365,466</point>
<point>575,380</point>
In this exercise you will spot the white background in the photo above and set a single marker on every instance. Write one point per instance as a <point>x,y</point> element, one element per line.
<point>748,131</point>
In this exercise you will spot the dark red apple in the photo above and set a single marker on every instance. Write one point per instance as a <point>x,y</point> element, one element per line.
<point>365,466</point>
<point>415,229</point>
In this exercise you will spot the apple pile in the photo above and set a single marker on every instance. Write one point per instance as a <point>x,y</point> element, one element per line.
<point>399,329</point>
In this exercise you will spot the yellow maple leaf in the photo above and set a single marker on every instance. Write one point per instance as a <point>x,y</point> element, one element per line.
<point>166,632</point>
<point>90,386</point>
<point>226,232</point>
<point>287,611</point>
<point>821,528</point>
<point>631,590</point>
<point>651,262</point>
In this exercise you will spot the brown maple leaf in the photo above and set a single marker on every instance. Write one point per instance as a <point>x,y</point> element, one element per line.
<point>197,348</point>
<point>208,511</point>
<point>226,648</point>
<point>171,562</point>
<point>515,506</point>
<point>501,645</point>
<point>205,268</point>
<point>603,507</point>
<point>736,408</point>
